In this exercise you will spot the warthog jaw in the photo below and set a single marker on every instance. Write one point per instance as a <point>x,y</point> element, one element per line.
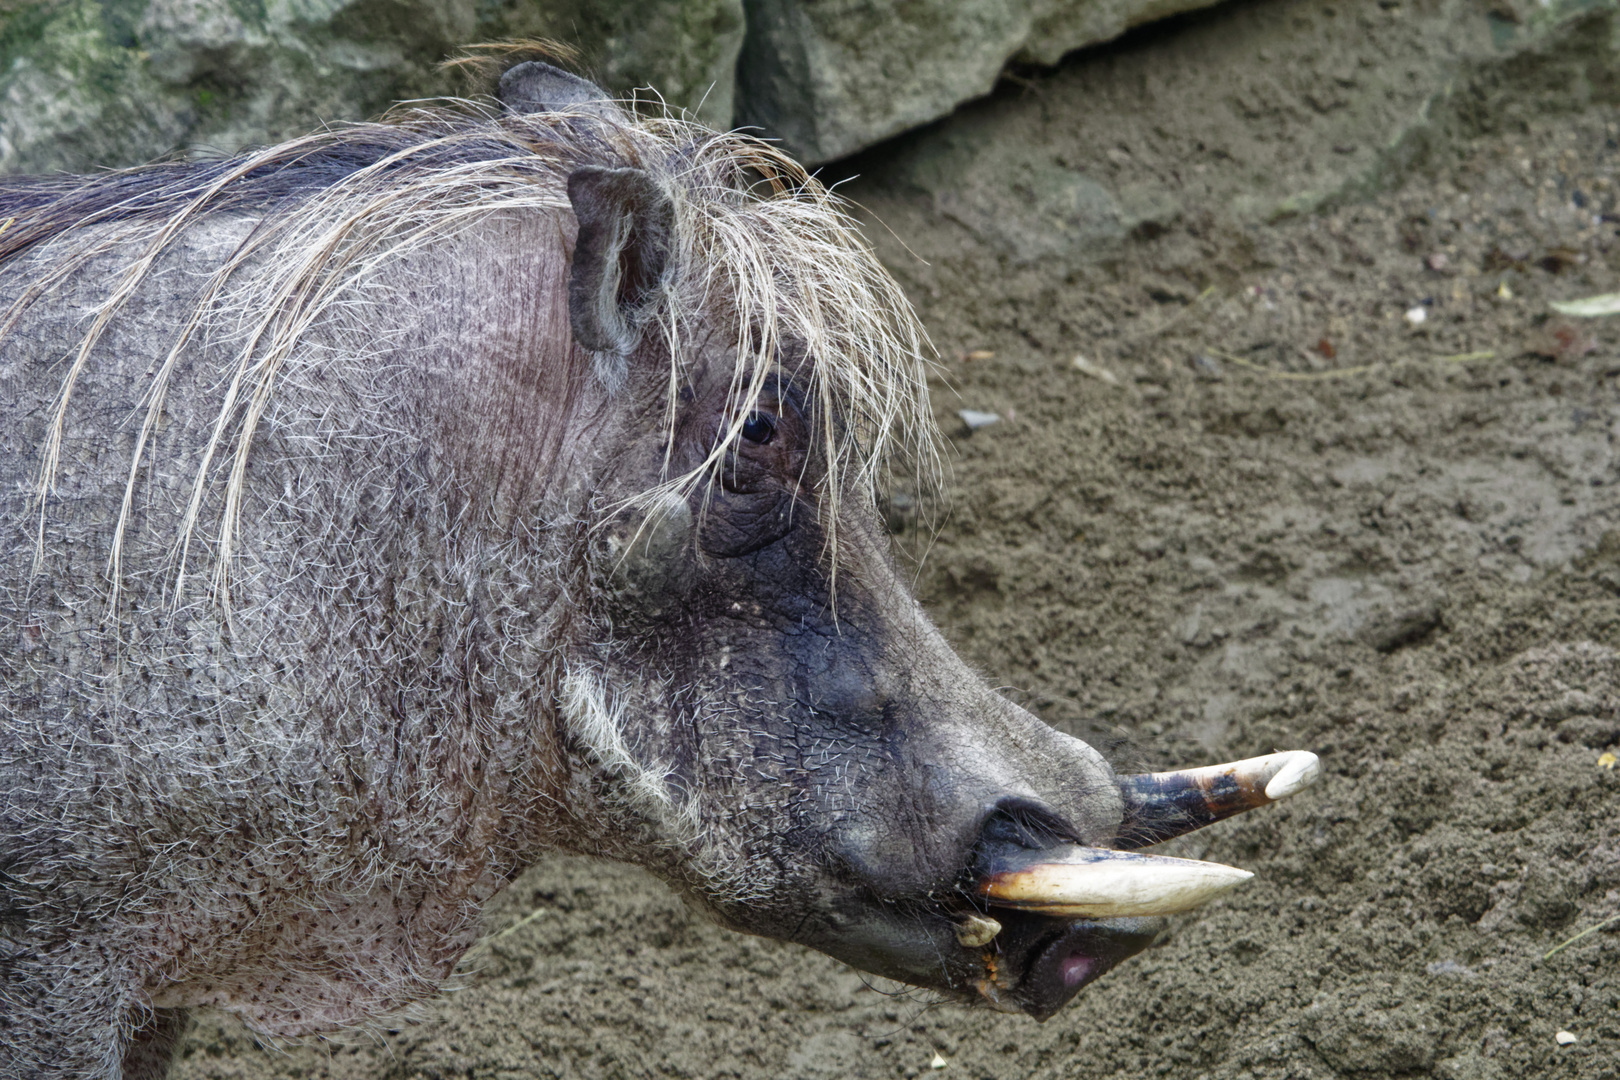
<point>1068,912</point>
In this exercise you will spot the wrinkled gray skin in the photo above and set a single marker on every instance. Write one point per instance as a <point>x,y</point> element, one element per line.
<point>295,811</point>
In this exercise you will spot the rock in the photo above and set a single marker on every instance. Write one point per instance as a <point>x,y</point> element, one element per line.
<point>1115,153</point>
<point>85,84</point>
<point>1019,201</point>
<point>94,83</point>
<point>832,78</point>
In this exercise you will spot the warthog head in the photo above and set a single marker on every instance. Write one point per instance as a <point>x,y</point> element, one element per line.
<point>791,739</point>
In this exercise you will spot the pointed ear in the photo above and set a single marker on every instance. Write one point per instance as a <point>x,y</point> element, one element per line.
<point>626,234</point>
<point>538,87</point>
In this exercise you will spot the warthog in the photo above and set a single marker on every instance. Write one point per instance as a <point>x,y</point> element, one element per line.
<point>387,508</point>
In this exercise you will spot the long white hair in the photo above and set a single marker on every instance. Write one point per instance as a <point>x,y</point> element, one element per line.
<point>755,237</point>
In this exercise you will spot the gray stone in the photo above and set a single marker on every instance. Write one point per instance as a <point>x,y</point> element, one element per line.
<point>829,78</point>
<point>85,84</point>
<point>95,83</point>
<point>1024,201</point>
<point>1128,149</point>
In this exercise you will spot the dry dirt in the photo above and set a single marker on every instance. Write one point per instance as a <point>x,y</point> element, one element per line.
<point>1290,518</point>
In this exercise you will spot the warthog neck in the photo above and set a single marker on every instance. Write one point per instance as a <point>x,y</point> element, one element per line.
<point>326,710</point>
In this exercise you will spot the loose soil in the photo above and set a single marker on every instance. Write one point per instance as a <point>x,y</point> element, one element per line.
<point>1290,515</point>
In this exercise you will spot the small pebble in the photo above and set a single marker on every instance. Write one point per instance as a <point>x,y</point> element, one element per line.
<point>1417,316</point>
<point>1096,371</point>
<point>1565,1038</point>
<point>975,419</point>
<point>939,1061</point>
<point>1607,761</point>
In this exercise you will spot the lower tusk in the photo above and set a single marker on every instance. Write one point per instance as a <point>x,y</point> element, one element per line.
<point>1080,882</point>
<point>977,930</point>
<point>1159,806</point>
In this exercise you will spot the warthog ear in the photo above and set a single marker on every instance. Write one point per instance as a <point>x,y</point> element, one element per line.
<point>626,231</point>
<point>534,87</point>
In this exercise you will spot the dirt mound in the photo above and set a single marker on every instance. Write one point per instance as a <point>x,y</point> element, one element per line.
<point>1336,480</point>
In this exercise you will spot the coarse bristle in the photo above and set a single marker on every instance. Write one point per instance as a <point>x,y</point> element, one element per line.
<point>759,244</point>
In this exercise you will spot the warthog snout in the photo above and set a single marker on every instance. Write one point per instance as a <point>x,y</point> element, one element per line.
<point>1035,914</point>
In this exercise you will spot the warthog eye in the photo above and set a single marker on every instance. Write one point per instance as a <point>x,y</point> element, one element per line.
<point>759,428</point>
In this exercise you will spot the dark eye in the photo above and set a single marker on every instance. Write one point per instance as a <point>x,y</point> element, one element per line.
<point>758,428</point>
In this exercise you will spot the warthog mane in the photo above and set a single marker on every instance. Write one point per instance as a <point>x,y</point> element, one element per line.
<point>756,238</point>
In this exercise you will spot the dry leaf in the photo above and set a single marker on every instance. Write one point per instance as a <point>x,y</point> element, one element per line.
<point>1589,307</point>
<point>1096,371</point>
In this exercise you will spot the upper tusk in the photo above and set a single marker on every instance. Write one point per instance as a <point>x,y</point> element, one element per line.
<point>1159,806</point>
<point>1296,770</point>
<point>1081,882</point>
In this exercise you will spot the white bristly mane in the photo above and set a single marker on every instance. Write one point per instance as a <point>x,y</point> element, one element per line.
<point>756,239</point>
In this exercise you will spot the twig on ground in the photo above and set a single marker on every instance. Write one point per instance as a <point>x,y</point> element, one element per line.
<point>520,924</point>
<point>1155,331</point>
<point>1590,930</point>
<point>484,943</point>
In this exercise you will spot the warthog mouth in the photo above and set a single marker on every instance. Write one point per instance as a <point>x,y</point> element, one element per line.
<point>1034,916</point>
<point>1057,916</point>
<point>1039,963</point>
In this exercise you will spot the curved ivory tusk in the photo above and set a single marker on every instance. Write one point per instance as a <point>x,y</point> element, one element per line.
<point>1082,882</point>
<point>1159,806</point>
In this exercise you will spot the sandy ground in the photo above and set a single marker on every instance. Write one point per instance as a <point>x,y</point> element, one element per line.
<point>1287,517</point>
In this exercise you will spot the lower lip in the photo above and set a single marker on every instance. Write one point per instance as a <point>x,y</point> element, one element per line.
<point>1074,969</point>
